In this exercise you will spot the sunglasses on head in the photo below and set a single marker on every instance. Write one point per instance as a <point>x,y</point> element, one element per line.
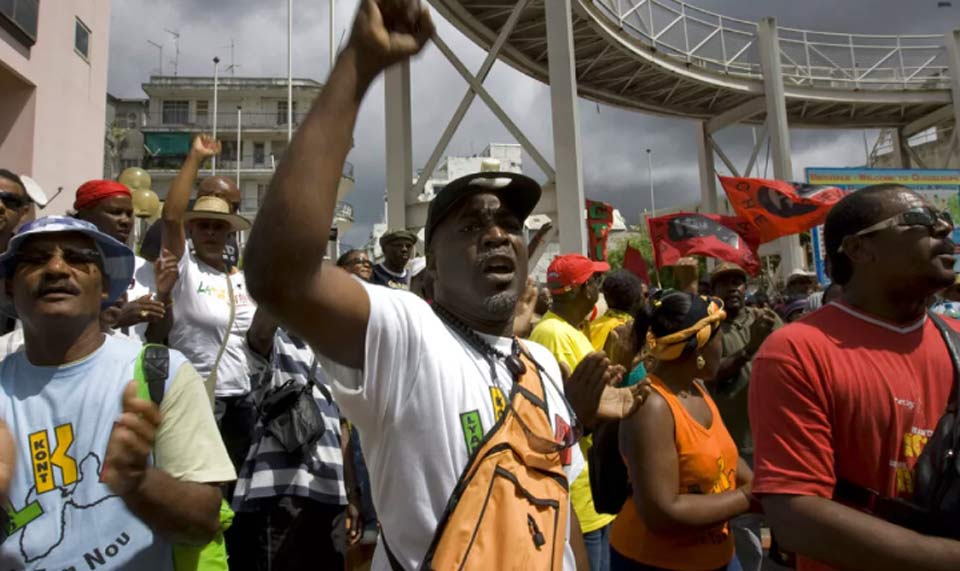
<point>12,201</point>
<point>75,257</point>
<point>920,216</point>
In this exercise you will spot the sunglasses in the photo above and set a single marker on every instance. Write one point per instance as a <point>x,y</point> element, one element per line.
<point>74,257</point>
<point>920,216</point>
<point>352,263</point>
<point>13,201</point>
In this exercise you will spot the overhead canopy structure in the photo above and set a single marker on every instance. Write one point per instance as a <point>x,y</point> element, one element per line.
<point>673,58</point>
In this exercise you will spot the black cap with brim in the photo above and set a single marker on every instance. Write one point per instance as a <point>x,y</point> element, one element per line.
<point>519,193</point>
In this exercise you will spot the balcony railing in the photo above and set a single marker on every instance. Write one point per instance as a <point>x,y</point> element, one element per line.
<point>225,121</point>
<point>343,211</point>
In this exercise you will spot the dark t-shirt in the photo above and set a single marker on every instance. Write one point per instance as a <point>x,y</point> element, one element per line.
<point>383,276</point>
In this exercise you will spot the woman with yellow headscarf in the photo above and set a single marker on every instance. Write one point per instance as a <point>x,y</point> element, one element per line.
<point>687,480</point>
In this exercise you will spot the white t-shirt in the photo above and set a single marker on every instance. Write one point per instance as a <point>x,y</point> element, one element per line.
<point>417,405</point>
<point>144,282</point>
<point>201,311</point>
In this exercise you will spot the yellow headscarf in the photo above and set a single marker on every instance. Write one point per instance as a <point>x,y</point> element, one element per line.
<point>670,347</point>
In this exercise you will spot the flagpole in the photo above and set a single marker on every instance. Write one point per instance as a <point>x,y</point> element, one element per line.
<point>653,202</point>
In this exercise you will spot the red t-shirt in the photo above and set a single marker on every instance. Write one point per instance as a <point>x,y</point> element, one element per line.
<point>841,394</point>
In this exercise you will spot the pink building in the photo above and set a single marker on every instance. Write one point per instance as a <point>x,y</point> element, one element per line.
<point>53,83</point>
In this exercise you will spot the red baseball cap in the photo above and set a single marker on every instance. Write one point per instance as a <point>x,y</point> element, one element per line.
<point>570,270</point>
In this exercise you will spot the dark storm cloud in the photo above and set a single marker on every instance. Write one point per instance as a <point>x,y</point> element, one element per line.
<point>614,141</point>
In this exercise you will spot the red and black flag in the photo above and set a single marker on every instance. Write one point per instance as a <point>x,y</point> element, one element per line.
<point>634,263</point>
<point>778,208</point>
<point>727,238</point>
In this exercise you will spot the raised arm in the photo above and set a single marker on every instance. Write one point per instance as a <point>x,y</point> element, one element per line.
<point>175,206</point>
<point>646,442</point>
<point>284,257</point>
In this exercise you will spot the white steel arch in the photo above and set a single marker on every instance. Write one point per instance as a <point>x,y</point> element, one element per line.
<point>672,58</point>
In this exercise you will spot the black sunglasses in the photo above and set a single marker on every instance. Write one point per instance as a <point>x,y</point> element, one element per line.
<point>13,201</point>
<point>75,257</point>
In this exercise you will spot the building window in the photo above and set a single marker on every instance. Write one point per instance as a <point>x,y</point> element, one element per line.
<point>259,154</point>
<point>203,112</point>
<point>229,150</point>
<point>282,112</point>
<point>176,112</point>
<point>81,40</point>
<point>19,17</point>
<point>277,148</point>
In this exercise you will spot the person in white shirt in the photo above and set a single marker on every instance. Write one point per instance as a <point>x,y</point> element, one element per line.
<point>422,385</point>
<point>212,311</point>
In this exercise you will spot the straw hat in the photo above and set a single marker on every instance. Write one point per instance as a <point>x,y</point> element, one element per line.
<point>213,208</point>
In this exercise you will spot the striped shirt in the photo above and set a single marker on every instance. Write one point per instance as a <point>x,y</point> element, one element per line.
<point>269,470</point>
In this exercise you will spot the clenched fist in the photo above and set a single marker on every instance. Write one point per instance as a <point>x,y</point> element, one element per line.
<point>131,442</point>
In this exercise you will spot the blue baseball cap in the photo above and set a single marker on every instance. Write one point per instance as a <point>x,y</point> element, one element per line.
<point>118,259</point>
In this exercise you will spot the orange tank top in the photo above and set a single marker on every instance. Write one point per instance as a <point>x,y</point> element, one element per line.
<point>708,465</point>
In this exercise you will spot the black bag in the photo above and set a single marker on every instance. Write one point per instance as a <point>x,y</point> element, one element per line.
<point>936,476</point>
<point>291,415</point>
<point>609,480</point>
<point>935,507</point>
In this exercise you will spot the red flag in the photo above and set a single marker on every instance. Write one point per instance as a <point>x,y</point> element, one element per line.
<point>599,220</point>
<point>727,238</point>
<point>634,263</point>
<point>778,208</point>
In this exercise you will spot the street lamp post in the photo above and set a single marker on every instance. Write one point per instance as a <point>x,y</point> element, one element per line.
<point>289,70</point>
<point>653,202</point>
<point>216,86</point>
<point>239,144</point>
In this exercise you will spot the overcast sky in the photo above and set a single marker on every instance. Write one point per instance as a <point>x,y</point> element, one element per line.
<point>613,140</point>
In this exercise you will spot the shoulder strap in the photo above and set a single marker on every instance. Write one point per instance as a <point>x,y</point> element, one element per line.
<point>226,335</point>
<point>952,340</point>
<point>391,558</point>
<point>151,372</point>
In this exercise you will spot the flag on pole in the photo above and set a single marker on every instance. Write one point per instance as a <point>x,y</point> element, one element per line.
<point>778,208</point>
<point>599,221</point>
<point>634,263</point>
<point>727,238</point>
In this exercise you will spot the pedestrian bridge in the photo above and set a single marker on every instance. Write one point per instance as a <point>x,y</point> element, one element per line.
<point>672,58</point>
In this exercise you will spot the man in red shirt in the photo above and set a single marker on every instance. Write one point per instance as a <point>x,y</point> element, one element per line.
<point>853,391</point>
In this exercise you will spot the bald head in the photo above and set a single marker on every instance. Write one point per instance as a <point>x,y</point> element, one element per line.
<point>222,187</point>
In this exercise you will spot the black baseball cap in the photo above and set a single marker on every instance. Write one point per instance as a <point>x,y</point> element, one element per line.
<point>518,193</point>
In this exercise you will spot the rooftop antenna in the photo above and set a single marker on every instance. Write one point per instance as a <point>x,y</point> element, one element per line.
<point>232,68</point>
<point>176,43</point>
<point>160,61</point>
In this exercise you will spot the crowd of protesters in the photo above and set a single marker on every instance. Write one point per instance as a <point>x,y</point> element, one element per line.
<point>190,408</point>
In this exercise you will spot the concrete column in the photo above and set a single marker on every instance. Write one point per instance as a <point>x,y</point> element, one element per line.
<point>900,154</point>
<point>953,60</point>
<point>399,138</point>
<point>709,202</point>
<point>571,215</point>
<point>791,255</point>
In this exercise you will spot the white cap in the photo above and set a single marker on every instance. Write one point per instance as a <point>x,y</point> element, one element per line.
<point>34,191</point>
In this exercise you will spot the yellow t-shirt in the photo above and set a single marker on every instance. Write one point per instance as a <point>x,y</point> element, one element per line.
<point>570,346</point>
<point>601,327</point>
